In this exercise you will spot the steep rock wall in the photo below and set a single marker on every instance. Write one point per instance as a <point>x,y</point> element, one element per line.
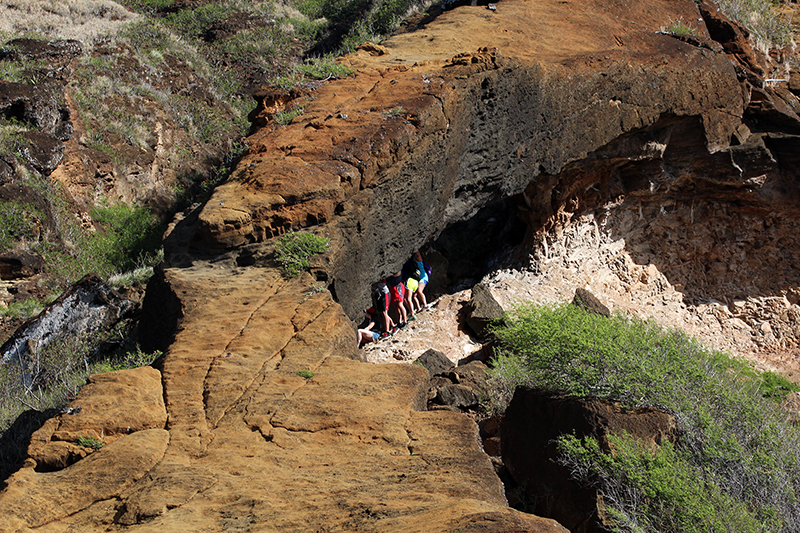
<point>393,155</point>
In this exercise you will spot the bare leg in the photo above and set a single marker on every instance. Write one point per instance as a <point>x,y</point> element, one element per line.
<point>421,295</point>
<point>388,323</point>
<point>402,315</point>
<point>409,301</point>
<point>364,336</point>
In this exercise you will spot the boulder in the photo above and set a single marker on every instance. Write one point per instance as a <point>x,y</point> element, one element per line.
<point>534,419</point>
<point>590,302</point>
<point>482,309</point>
<point>7,172</point>
<point>42,151</point>
<point>85,308</point>
<point>98,412</point>
<point>459,396</point>
<point>20,265</point>
<point>435,362</point>
<point>54,53</point>
<point>459,388</point>
<point>37,105</point>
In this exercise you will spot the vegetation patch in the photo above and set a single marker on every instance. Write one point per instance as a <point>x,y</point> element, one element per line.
<point>293,251</point>
<point>305,373</point>
<point>679,27</point>
<point>737,464</point>
<point>394,112</point>
<point>762,19</point>
<point>19,222</point>
<point>24,309</point>
<point>285,117</point>
<point>90,442</point>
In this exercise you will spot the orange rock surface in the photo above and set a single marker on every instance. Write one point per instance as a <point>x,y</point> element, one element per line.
<point>471,107</point>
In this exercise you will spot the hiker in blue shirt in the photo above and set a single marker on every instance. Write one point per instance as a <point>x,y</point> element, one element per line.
<point>423,271</point>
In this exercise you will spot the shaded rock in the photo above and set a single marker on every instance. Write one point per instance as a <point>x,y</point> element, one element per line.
<point>42,151</point>
<point>86,308</point>
<point>233,24</point>
<point>590,302</point>
<point>435,362</point>
<point>20,265</point>
<point>460,387</point>
<point>38,105</point>
<point>535,418</point>
<point>56,455</point>
<point>482,310</point>
<point>459,396</point>
<point>7,172</point>
<point>473,375</point>
<point>55,53</point>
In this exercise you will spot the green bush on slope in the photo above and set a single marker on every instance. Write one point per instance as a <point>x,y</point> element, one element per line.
<point>737,448</point>
<point>293,251</point>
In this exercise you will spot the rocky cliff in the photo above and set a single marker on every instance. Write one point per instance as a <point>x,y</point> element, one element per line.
<point>559,108</point>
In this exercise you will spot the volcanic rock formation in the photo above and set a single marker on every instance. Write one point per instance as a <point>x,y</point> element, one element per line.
<point>567,107</point>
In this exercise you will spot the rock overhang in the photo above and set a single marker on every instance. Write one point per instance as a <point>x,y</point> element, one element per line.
<point>466,111</point>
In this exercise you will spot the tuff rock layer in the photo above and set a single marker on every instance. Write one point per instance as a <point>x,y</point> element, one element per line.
<point>568,106</point>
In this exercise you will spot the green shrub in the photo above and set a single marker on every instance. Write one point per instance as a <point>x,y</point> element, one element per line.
<point>285,117</point>
<point>762,19</point>
<point>308,374</point>
<point>776,386</point>
<point>324,68</point>
<point>293,251</point>
<point>147,6</point>
<point>11,139</point>
<point>672,493</point>
<point>361,20</point>
<point>90,442</point>
<point>22,310</point>
<point>19,221</point>
<point>130,233</point>
<point>736,444</point>
<point>678,27</point>
<point>394,112</point>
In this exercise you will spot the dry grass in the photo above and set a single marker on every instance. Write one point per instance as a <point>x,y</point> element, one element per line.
<point>83,20</point>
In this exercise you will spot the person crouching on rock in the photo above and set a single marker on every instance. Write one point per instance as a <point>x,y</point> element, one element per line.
<point>365,330</point>
<point>397,291</point>
<point>380,302</point>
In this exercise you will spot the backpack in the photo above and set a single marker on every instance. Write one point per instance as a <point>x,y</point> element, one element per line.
<point>411,270</point>
<point>380,297</point>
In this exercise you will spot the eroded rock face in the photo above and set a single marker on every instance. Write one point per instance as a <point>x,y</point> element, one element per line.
<point>254,444</point>
<point>109,407</point>
<point>483,118</point>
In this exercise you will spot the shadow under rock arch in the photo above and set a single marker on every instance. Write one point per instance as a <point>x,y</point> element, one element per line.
<point>718,226</point>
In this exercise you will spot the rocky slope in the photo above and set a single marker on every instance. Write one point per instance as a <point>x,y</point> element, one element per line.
<point>551,110</point>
